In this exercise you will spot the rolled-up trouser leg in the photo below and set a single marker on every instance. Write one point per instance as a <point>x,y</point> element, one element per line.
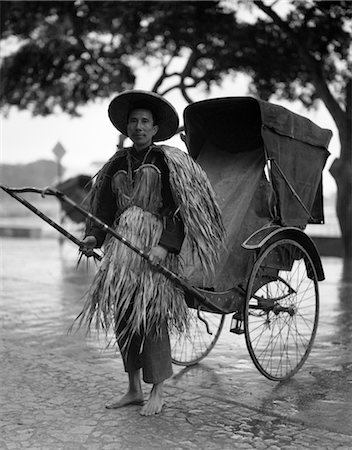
<point>153,355</point>
<point>156,357</point>
<point>131,354</point>
<point>130,348</point>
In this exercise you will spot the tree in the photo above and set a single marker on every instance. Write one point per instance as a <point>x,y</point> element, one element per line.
<point>71,52</point>
<point>316,39</point>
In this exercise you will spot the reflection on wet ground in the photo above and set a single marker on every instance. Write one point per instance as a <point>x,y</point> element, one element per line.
<point>320,392</point>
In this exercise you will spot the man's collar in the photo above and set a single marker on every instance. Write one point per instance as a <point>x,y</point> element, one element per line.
<point>141,153</point>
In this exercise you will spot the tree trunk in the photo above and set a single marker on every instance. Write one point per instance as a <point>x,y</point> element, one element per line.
<point>341,170</point>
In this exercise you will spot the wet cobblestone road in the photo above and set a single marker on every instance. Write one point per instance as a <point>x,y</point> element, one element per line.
<point>54,385</point>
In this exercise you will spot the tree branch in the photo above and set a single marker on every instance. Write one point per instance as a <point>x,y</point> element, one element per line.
<point>164,75</point>
<point>169,89</point>
<point>186,72</point>
<point>185,94</point>
<point>349,100</point>
<point>311,63</point>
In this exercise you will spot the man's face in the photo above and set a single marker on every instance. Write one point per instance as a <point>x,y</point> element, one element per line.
<point>140,128</point>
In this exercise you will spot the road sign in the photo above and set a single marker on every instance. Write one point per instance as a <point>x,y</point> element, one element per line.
<point>59,151</point>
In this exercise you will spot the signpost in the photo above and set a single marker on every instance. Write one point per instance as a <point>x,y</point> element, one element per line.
<point>59,153</point>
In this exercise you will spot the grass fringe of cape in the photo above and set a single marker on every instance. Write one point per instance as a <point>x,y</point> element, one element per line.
<point>155,297</point>
<point>198,208</point>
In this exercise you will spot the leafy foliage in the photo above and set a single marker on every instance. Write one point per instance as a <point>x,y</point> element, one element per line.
<point>314,43</point>
<point>68,53</point>
<point>64,56</point>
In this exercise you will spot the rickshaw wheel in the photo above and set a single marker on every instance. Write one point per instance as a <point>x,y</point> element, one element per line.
<point>188,349</point>
<point>281,309</point>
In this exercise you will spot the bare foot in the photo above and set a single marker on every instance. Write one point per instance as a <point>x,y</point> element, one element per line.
<point>155,401</point>
<point>131,398</point>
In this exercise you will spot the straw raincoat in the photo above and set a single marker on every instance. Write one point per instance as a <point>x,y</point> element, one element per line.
<point>162,200</point>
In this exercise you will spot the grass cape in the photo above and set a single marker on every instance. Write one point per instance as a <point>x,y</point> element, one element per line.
<point>156,299</point>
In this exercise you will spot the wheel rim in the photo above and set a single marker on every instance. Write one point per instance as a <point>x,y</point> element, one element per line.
<point>189,349</point>
<point>281,311</point>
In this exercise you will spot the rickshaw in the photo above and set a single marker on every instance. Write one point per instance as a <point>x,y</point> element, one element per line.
<point>265,164</point>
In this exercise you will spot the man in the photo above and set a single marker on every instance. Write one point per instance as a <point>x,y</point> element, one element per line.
<point>154,196</point>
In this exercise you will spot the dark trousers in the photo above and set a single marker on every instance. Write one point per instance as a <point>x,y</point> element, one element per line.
<point>152,354</point>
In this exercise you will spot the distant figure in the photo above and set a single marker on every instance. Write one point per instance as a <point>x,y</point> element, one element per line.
<point>156,197</point>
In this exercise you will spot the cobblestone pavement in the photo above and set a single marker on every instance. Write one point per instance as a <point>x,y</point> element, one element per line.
<point>54,385</point>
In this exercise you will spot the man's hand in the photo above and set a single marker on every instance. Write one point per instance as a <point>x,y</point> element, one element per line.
<point>87,245</point>
<point>89,242</point>
<point>157,254</point>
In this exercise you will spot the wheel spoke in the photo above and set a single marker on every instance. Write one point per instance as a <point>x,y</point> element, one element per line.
<point>188,349</point>
<point>281,315</point>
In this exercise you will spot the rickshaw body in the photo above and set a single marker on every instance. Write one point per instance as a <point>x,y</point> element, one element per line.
<point>265,164</point>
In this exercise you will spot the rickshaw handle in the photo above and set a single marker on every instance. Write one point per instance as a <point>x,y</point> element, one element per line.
<point>51,191</point>
<point>11,191</point>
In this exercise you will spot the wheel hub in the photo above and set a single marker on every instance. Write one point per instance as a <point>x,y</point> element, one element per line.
<point>291,310</point>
